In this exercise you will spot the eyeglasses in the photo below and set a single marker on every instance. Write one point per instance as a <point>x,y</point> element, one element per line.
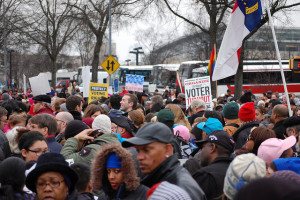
<point>53,184</point>
<point>59,120</point>
<point>40,152</point>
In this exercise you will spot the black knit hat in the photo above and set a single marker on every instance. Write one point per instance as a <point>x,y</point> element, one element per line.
<point>51,162</point>
<point>291,121</point>
<point>74,127</point>
<point>246,97</point>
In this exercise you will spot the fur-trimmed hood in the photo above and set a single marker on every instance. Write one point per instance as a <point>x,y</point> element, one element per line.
<point>128,167</point>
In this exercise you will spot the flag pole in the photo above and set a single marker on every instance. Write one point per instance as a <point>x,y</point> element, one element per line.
<point>215,46</point>
<point>279,58</point>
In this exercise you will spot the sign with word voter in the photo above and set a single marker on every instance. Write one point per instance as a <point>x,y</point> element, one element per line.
<point>198,88</point>
<point>97,90</point>
<point>110,65</point>
<point>134,83</point>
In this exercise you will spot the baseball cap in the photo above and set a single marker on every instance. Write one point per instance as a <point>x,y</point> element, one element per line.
<point>219,137</point>
<point>149,133</point>
<point>272,148</point>
<point>212,124</point>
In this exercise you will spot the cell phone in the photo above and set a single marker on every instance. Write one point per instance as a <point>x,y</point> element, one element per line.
<point>94,134</point>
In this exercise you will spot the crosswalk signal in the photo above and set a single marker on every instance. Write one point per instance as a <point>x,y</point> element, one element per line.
<point>294,64</point>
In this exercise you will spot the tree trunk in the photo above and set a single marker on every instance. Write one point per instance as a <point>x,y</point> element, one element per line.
<point>53,72</point>
<point>95,62</point>
<point>238,79</point>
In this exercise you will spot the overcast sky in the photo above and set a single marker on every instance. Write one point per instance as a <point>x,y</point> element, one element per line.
<point>125,39</point>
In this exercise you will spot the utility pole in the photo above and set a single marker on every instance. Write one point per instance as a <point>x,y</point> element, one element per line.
<point>110,51</point>
<point>137,52</point>
<point>5,45</point>
<point>127,61</point>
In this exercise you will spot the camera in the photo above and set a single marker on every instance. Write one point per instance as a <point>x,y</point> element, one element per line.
<point>94,134</point>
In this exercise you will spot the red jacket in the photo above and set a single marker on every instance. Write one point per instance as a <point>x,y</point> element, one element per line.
<point>46,110</point>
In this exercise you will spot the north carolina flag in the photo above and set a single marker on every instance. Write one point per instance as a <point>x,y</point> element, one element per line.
<point>212,62</point>
<point>245,16</point>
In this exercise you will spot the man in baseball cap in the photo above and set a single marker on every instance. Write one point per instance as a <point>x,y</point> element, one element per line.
<point>42,104</point>
<point>215,159</point>
<point>156,159</point>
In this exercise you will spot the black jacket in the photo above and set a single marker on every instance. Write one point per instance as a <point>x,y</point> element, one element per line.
<point>211,178</point>
<point>4,145</point>
<point>242,134</point>
<point>76,115</point>
<point>85,196</point>
<point>194,116</point>
<point>139,193</point>
<point>279,130</point>
<point>171,171</point>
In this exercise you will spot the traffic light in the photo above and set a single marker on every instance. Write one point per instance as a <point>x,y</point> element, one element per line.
<point>294,64</point>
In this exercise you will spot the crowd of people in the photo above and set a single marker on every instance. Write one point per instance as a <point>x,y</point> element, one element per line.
<point>148,146</point>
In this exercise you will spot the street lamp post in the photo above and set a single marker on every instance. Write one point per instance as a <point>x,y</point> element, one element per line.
<point>137,52</point>
<point>10,63</point>
<point>127,61</point>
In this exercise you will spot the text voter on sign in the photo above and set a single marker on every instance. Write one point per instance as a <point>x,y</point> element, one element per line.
<point>97,90</point>
<point>198,88</point>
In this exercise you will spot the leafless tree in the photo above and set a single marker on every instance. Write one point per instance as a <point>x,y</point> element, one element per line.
<point>48,23</point>
<point>95,14</point>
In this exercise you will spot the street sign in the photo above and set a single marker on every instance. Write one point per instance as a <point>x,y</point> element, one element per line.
<point>110,65</point>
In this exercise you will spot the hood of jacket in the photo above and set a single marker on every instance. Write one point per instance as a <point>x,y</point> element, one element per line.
<point>100,180</point>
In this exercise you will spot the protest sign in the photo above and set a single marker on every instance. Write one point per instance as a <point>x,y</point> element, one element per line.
<point>39,84</point>
<point>86,77</point>
<point>134,83</point>
<point>97,90</point>
<point>198,88</point>
<point>116,84</point>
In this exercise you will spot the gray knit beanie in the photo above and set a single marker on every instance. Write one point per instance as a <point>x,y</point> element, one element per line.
<point>103,123</point>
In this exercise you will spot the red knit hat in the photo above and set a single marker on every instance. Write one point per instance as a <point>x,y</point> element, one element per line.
<point>247,112</point>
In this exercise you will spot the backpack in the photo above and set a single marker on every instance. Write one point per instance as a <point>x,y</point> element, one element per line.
<point>183,147</point>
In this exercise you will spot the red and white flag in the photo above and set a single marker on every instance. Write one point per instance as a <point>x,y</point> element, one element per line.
<point>179,83</point>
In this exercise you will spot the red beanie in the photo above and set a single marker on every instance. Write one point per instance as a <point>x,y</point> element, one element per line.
<point>247,112</point>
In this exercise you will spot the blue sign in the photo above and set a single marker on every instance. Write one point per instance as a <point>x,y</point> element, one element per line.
<point>116,85</point>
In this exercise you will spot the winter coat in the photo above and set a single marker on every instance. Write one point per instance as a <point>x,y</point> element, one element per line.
<point>53,145</point>
<point>232,125</point>
<point>76,115</point>
<point>171,171</point>
<point>279,130</point>
<point>4,145</point>
<point>242,134</point>
<point>46,111</point>
<point>86,155</point>
<point>194,116</point>
<point>211,178</point>
<point>130,189</point>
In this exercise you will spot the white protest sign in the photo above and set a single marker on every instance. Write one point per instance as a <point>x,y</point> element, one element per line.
<point>152,88</point>
<point>39,84</point>
<point>198,88</point>
<point>86,78</point>
<point>134,83</point>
